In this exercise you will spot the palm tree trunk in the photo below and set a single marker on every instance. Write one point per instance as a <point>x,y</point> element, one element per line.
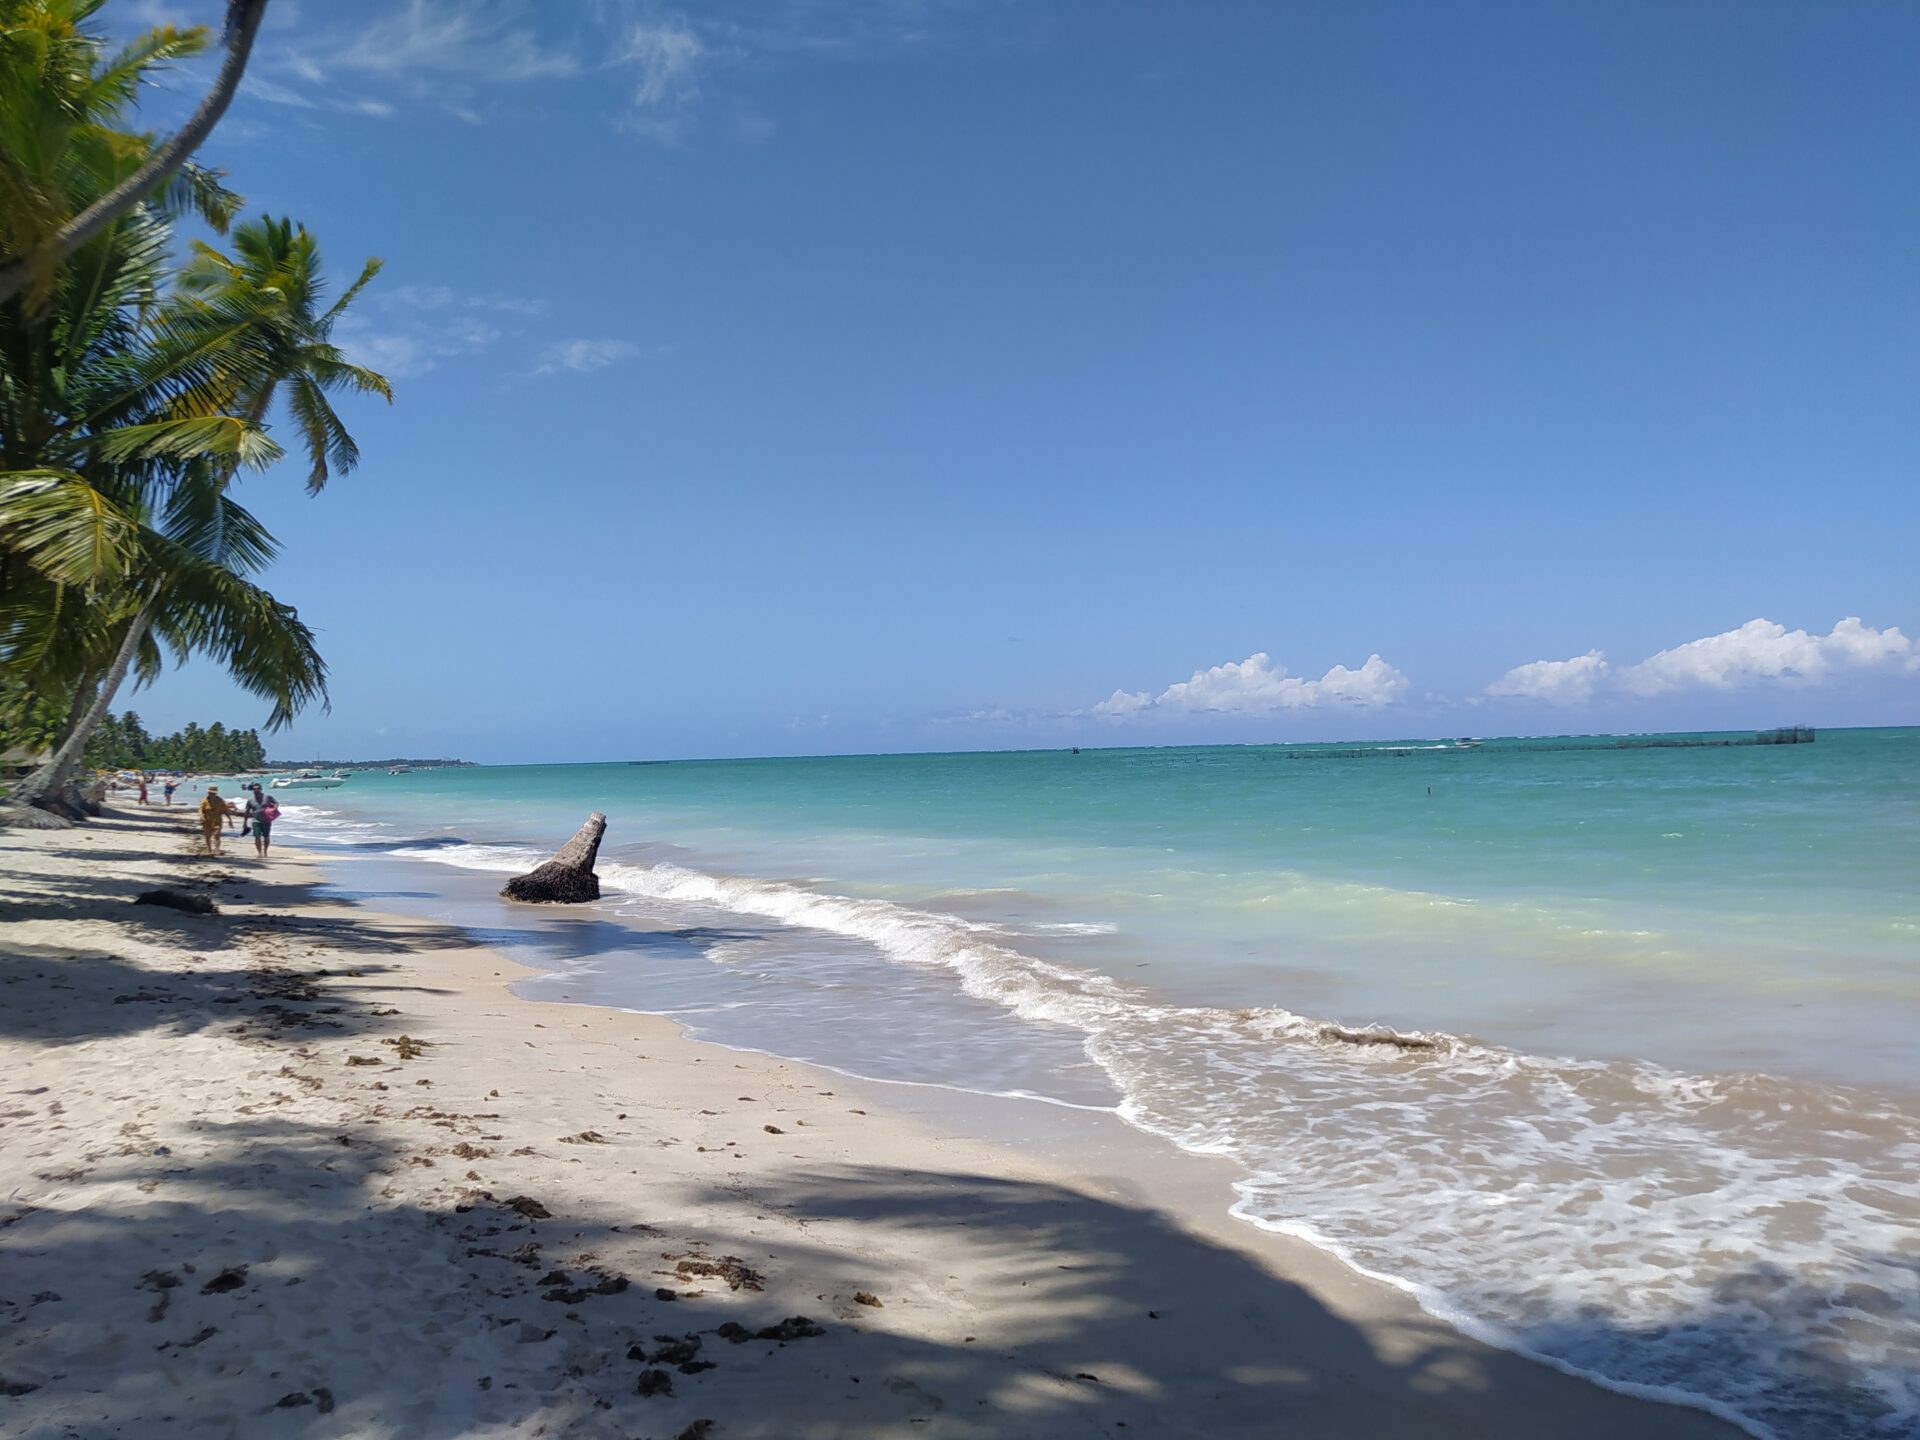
<point>43,785</point>
<point>243,22</point>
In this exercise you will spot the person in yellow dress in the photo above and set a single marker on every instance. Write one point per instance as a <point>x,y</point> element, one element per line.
<point>213,814</point>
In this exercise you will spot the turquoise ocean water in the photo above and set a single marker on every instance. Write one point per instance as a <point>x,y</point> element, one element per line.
<point>1664,1123</point>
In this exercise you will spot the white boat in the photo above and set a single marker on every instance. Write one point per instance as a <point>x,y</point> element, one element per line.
<point>307,780</point>
<point>400,770</point>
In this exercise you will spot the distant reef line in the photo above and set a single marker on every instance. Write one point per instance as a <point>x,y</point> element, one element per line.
<point>355,764</point>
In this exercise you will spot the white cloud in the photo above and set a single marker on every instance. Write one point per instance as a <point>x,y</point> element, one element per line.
<point>262,88</point>
<point>1256,686</point>
<point>1758,651</point>
<point>439,52</point>
<point>402,351</point>
<point>469,40</point>
<point>583,357</point>
<point>463,57</point>
<point>667,55</point>
<point>441,297</point>
<point>1558,682</point>
<point>1763,650</point>
<point>1124,702</point>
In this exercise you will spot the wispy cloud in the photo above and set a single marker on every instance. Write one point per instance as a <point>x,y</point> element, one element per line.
<point>583,357</point>
<point>442,297</point>
<point>408,330</point>
<point>441,53</point>
<point>468,40</point>
<point>1758,652</point>
<point>654,69</point>
<point>402,349</point>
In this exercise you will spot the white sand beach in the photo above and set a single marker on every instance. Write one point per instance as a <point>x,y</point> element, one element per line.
<point>302,1169</point>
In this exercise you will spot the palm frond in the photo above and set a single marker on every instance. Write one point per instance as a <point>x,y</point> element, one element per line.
<point>264,645</point>
<point>187,437</point>
<point>327,441</point>
<point>367,271</point>
<point>65,528</point>
<point>207,520</point>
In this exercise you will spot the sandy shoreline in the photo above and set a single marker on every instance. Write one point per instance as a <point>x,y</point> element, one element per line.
<point>237,1204</point>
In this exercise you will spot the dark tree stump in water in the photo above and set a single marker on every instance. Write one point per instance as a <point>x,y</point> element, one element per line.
<point>568,878</point>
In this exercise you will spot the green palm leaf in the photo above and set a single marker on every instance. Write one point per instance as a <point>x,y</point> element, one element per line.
<point>65,528</point>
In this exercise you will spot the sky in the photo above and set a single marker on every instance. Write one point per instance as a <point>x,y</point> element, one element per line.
<point>863,375</point>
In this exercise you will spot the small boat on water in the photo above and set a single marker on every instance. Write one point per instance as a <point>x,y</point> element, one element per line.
<point>308,780</point>
<point>399,770</point>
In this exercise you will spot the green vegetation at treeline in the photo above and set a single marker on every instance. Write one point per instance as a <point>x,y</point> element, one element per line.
<point>139,379</point>
<point>122,743</point>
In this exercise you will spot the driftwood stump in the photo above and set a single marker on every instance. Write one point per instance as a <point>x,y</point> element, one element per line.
<point>568,878</point>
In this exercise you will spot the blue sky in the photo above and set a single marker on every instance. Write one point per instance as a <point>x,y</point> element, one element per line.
<point>852,376</point>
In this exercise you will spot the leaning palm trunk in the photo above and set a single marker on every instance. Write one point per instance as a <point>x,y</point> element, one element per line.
<point>44,786</point>
<point>77,707</point>
<point>243,22</point>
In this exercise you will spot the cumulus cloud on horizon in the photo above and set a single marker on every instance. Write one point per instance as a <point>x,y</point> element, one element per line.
<point>1256,686</point>
<point>1760,650</point>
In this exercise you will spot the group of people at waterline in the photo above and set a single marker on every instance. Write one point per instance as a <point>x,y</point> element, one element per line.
<point>255,818</point>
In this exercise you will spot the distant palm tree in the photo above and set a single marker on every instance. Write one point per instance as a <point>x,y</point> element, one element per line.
<point>267,299</point>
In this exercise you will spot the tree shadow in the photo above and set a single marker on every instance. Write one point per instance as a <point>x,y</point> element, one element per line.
<point>277,1261</point>
<point>98,995</point>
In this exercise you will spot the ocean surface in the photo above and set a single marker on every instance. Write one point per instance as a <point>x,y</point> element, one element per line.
<point>1655,1113</point>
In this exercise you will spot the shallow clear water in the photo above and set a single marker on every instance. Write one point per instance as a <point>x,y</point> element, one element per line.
<point>1665,1130</point>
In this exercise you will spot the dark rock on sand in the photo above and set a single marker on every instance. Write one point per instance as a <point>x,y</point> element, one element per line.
<point>230,1279</point>
<point>731,1268</point>
<point>674,1350</point>
<point>654,1382</point>
<point>607,1285</point>
<point>794,1327</point>
<point>175,900</point>
<point>568,878</point>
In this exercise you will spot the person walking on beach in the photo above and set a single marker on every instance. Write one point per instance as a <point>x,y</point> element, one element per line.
<point>143,789</point>
<point>263,819</point>
<point>213,814</point>
<point>168,789</point>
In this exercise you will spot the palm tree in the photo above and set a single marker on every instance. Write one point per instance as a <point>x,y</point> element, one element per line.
<point>242,332</point>
<point>47,54</point>
<point>125,415</point>
<point>269,293</point>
